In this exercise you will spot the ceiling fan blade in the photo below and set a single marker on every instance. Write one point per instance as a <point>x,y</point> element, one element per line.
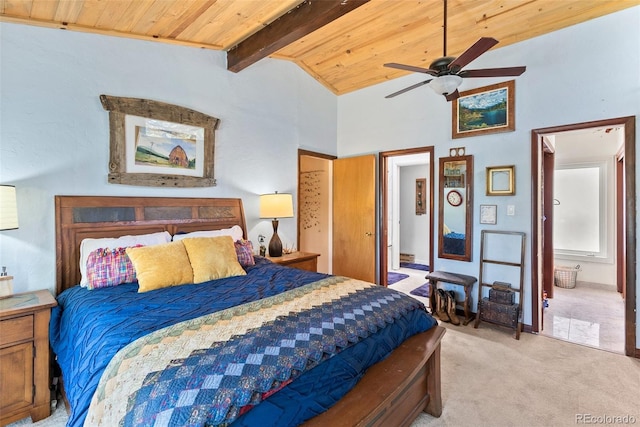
<point>480,47</point>
<point>407,89</point>
<point>453,95</point>
<point>411,68</point>
<point>493,72</point>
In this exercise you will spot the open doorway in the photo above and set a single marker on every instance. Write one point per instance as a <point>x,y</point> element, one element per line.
<point>315,206</point>
<point>337,213</point>
<point>585,306</point>
<point>406,218</point>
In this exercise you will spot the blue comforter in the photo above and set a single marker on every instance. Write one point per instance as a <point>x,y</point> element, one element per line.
<point>89,327</point>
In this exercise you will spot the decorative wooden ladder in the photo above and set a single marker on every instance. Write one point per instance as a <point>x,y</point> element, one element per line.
<point>517,324</point>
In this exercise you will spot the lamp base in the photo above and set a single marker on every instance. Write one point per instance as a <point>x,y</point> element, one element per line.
<point>275,244</point>
<point>6,286</point>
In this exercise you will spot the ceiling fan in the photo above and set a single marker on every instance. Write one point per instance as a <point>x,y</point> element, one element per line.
<point>447,70</point>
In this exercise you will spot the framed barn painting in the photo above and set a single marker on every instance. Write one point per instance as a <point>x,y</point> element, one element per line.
<point>485,110</point>
<point>160,145</point>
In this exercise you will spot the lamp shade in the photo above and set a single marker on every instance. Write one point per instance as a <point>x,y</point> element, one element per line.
<point>276,205</point>
<point>8,208</point>
<point>446,84</point>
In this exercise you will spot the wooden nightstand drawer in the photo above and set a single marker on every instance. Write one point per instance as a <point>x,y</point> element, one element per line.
<point>302,260</point>
<point>16,330</point>
<point>309,265</point>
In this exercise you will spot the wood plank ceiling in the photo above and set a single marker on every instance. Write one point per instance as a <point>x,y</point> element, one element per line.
<point>344,55</point>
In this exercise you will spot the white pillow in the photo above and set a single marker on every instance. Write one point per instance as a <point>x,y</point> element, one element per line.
<point>235,232</point>
<point>89,245</point>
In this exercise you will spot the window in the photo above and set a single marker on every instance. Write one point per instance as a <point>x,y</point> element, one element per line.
<point>580,211</point>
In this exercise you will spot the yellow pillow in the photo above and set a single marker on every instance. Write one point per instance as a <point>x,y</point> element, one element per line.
<point>212,258</point>
<point>160,266</point>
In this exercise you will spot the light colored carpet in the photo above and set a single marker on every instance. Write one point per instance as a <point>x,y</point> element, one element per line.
<point>58,418</point>
<point>490,379</point>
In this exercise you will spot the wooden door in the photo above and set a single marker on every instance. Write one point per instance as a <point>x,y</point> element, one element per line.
<point>354,217</point>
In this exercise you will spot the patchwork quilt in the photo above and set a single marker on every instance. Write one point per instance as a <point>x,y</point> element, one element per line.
<point>211,369</point>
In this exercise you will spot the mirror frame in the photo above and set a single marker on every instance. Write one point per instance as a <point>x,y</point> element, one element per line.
<point>467,202</point>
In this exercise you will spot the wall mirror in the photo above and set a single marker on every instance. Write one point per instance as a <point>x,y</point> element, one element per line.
<point>455,210</point>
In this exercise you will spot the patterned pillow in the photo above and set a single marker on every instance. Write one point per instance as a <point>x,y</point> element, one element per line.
<point>109,267</point>
<point>89,245</point>
<point>244,251</point>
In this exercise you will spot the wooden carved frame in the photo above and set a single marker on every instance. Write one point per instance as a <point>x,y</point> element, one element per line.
<point>119,108</point>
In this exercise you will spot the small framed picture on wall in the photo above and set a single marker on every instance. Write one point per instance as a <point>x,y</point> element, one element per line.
<point>501,181</point>
<point>488,214</point>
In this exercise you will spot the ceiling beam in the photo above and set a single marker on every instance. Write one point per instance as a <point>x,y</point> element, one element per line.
<point>293,25</point>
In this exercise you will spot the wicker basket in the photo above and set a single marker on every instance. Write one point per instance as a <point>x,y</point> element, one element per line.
<point>565,276</point>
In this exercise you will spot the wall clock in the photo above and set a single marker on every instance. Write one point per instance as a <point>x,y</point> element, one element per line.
<point>454,198</point>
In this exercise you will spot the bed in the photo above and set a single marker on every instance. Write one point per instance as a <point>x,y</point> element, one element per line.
<point>454,243</point>
<point>102,338</point>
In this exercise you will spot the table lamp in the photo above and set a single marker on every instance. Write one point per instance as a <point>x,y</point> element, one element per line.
<point>276,206</point>
<point>8,221</point>
<point>8,208</point>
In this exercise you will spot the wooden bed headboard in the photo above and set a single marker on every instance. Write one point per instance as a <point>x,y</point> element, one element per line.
<point>81,217</point>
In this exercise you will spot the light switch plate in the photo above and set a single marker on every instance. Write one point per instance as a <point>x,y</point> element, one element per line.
<point>511,210</point>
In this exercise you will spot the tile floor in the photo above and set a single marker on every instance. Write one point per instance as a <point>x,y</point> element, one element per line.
<point>589,314</point>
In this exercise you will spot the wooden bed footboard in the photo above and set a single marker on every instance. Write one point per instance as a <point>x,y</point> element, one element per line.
<point>394,391</point>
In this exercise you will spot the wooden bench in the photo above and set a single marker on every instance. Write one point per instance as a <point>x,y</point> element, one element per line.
<point>463,280</point>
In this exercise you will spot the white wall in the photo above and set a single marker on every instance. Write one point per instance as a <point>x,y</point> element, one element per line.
<point>54,133</point>
<point>414,229</point>
<point>585,147</point>
<point>578,74</point>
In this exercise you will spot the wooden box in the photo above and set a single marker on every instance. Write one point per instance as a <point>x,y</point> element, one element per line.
<point>501,314</point>
<point>501,295</point>
<point>407,258</point>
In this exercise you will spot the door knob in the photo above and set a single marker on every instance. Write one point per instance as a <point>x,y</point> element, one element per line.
<point>368,234</point>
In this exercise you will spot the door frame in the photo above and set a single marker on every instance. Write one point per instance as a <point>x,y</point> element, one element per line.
<point>630,218</point>
<point>383,158</point>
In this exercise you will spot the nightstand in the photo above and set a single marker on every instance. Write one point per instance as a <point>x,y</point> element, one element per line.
<point>302,260</point>
<point>24,356</point>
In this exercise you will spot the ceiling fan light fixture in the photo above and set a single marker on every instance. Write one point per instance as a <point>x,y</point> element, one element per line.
<point>446,84</point>
<point>448,71</point>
